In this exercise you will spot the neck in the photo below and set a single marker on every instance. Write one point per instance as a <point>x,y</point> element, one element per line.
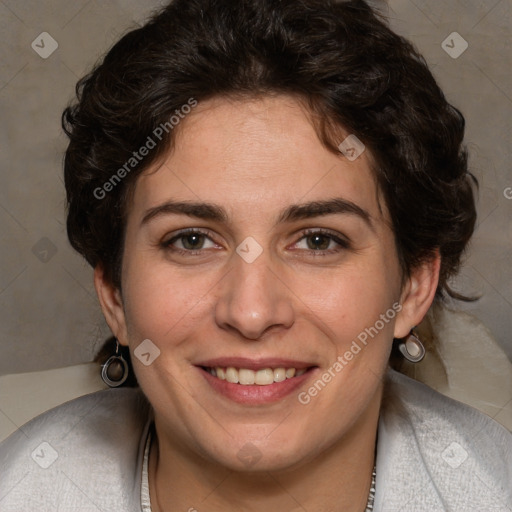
<point>339,478</point>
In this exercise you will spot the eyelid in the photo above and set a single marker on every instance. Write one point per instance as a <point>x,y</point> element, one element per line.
<point>324,231</point>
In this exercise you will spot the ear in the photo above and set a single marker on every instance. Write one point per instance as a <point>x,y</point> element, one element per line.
<point>417,295</point>
<point>111,304</point>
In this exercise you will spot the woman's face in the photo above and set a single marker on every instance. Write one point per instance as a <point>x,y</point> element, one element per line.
<point>255,248</point>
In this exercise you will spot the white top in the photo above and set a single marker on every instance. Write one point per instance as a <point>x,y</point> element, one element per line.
<point>434,454</point>
<point>145,499</point>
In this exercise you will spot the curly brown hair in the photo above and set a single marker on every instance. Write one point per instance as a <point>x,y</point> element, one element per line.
<point>340,58</point>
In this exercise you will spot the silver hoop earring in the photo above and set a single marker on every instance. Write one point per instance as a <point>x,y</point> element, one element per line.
<point>412,348</point>
<point>115,371</point>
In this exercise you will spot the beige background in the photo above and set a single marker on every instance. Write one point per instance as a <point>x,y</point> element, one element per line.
<point>49,316</point>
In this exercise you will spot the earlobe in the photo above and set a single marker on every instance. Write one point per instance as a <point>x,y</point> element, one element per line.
<point>111,305</point>
<point>417,295</point>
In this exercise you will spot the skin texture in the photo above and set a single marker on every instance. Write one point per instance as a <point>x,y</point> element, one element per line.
<point>255,158</point>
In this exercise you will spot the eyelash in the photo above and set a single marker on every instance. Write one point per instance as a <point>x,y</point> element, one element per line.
<point>343,243</point>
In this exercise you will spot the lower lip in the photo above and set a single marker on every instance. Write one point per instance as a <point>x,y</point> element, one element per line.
<point>254,394</point>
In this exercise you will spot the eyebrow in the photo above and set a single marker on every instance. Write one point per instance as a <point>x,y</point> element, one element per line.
<point>328,207</point>
<point>213,212</point>
<point>204,211</point>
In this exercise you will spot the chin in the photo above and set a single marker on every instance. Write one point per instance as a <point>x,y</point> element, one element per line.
<point>250,457</point>
<point>273,451</point>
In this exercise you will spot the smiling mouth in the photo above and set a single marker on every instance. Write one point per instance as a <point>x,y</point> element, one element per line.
<point>247,377</point>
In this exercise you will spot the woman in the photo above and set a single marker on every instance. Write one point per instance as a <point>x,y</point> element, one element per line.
<point>272,195</point>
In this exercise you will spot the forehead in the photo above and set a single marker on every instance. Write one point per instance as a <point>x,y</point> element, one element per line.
<point>259,153</point>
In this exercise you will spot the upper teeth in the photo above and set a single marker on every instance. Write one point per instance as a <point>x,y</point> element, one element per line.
<point>248,377</point>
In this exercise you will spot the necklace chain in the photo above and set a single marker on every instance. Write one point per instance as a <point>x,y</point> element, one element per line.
<point>371,495</point>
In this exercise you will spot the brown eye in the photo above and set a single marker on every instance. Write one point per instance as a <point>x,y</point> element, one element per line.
<point>189,241</point>
<point>192,241</point>
<point>318,242</point>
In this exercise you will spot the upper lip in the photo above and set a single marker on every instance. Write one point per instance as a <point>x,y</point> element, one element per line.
<point>254,364</point>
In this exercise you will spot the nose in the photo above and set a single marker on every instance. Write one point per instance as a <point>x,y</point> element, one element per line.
<point>253,300</point>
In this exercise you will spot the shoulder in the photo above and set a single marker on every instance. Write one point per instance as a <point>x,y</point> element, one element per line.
<point>427,410</point>
<point>81,451</point>
<point>445,454</point>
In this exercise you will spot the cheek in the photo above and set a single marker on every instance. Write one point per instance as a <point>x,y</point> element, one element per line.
<point>161,303</point>
<point>353,298</point>
<point>171,310</point>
